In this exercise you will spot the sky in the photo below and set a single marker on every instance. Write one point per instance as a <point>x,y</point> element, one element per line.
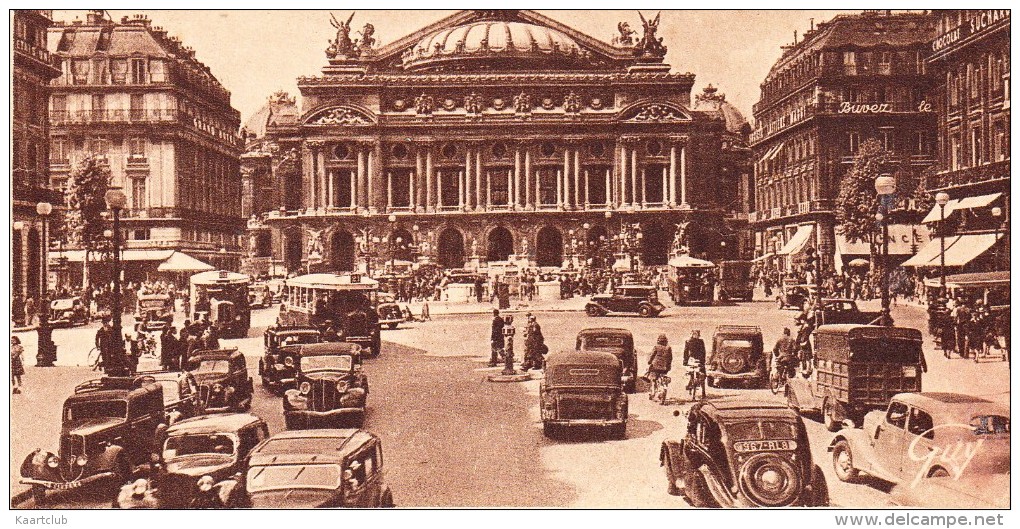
<point>256,53</point>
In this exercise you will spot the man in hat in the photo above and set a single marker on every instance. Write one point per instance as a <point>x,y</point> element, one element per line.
<point>496,338</point>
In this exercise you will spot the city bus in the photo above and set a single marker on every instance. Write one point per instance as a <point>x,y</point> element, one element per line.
<point>222,297</point>
<point>348,302</point>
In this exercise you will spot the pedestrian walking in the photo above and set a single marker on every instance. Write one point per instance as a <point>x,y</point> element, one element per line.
<point>30,312</point>
<point>425,316</point>
<point>659,364</point>
<point>534,345</point>
<point>496,339</point>
<point>169,355</point>
<point>17,364</point>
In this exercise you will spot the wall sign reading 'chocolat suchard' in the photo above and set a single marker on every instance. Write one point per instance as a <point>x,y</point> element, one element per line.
<point>975,24</point>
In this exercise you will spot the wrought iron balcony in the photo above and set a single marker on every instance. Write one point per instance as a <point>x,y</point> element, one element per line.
<point>145,115</point>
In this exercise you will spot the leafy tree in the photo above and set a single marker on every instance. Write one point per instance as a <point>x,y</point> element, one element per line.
<point>857,201</point>
<point>85,197</point>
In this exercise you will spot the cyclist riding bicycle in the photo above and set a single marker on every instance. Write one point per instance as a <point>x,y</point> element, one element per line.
<point>785,352</point>
<point>659,364</point>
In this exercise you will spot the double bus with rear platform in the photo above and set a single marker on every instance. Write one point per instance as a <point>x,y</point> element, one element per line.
<point>222,296</point>
<point>347,302</point>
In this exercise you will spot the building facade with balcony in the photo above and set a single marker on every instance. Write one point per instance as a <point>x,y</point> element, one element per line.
<point>969,59</point>
<point>139,100</point>
<point>852,78</point>
<point>490,136</point>
<point>33,68</point>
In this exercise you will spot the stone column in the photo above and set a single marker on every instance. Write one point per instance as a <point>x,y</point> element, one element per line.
<point>354,190</point>
<point>429,204</point>
<point>488,190</point>
<point>375,164</point>
<point>359,200</point>
<point>623,176</point>
<point>412,190</point>
<point>527,179</point>
<point>515,196</point>
<point>389,190</point>
<point>478,183</point>
<point>419,175</point>
<point>644,187</point>
<point>587,188</point>
<point>510,188</point>
<point>461,191</point>
<point>634,195</point>
<point>330,196</point>
<point>577,178</point>
<point>559,188</point>
<point>467,178</point>
<point>672,175</point>
<point>308,172</point>
<point>683,176</point>
<point>324,197</point>
<point>609,189</point>
<point>664,180</point>
<point>565,201</point>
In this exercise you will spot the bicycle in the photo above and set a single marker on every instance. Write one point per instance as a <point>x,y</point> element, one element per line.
<point>779,376</point>
<point>95,359</point>
<point>695,380</point>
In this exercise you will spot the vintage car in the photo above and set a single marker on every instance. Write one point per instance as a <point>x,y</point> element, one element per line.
<point>691,281</point>
<point>735,280</point>
<point>793,295</point>
<point>276,367</point>
<point>180,393</point>
<point>202,465</point>
<point>318,468</point>
<point>640,299</point>
<point>922,435</point>
<point>737,356</point>
<point>331,387</point>
<point>68,312</point>
<point>857,368</point>
<point>223,381</point>
<point>390,312</point>
<point>582,388</point>
<point>618,342</point>
<point>109,427</point>
<point>154,312</point>
<point>972,491</point>
<point>743,453</point>
<point>259,295</point>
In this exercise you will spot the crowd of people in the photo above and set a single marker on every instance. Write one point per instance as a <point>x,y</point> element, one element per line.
<point>967,327</point>
<point>97,301</point>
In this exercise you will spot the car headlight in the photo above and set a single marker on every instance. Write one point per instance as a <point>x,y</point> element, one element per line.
<point>341,386</point>
<point>305,388</point>
<point>217,388</point>
<point>81,460</point>
<point>53,461</point>
<point>205,483</point>
<point>139,487</point>
<point>289,361</point>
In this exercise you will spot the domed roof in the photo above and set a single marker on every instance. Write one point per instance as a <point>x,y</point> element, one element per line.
<point>279,109</point>
<point>491,39</point>
<point>712,101</point>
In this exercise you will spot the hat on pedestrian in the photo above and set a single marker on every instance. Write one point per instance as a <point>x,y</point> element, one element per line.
<point>662,340</point>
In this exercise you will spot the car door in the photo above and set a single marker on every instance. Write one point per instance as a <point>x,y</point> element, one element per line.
<point>355,475</point>
<point>889,439</point>
<point>918,444</point>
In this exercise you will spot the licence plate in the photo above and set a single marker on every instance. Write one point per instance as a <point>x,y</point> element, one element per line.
<point>764,446</point>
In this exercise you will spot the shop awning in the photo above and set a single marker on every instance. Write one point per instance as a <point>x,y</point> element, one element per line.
<point>763,257</point>
<point>799,240</point>
<point>935,214</point>
<point>773,152</point>
<point>960,250</point>
<point>904,239</point>
<point>182,262</point>
<point>78,256</point>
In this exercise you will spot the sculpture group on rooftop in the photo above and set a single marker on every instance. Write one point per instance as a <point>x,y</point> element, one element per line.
<point>343,45</point>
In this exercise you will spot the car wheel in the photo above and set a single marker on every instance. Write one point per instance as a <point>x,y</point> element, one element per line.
<point>829,415</point>
<point>592,311</point>
<point>644,311</point>
<point>938,472</point>
<point>819,488</point>
<point>122,470</point>
<point>843,462</point>
<point>791,400</point>
<point>631,386</point>
<point>671,487</point>
<point>695,490</point>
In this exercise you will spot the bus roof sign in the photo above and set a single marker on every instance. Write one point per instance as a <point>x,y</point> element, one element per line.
<point>334,282</point>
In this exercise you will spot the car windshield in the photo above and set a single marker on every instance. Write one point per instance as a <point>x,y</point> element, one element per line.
<point>990,425</point>
<point>213,366</point>
<point>97,409</point>
<point>294,477</point>
<point>737,344</point>
<point>331,362</point>
<point>199,444</point>
<point>292,339</point>
<point>62,304</point>
<point>746,431</point>
<point>604,343</point>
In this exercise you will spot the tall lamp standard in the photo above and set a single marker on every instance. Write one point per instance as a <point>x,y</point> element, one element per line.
<point>113,360</point>
<point>885,187</point>
<point>942,199</point>
<point>46,353</point>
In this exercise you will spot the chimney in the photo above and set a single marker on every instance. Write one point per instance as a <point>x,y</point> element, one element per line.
<point>812,24</point>
<point>795,37</point>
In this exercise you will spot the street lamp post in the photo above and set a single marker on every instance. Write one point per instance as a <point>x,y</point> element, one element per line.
<point>885,187</point>
<point>113,360</point>
<point>942,199</point>
<point>46,353</point>
<point>997,214</point>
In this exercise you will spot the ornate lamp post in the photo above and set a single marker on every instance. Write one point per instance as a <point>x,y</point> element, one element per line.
<point>393,241</point>
<point>113,360</point>
<point>885,187</point>
<point>942,199</point>
<point>46,353</point>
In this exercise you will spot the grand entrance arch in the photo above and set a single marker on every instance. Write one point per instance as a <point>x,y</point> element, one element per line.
<point>341,251</point>
<point>401,241</point>
<point>550,247</point>
<point>451,248</point>
<point>501,244</point>
<point>656,240</point>
<point>292,250</point>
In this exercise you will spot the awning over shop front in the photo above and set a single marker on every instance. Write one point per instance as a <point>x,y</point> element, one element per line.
<point>773,152</point>
<point>799,240</point>
<point>182,262</point>
<point>763,257</point>
<point>904,239</point>
<point>78,256</point>
<point>935,214</point>
<point>960,250</point>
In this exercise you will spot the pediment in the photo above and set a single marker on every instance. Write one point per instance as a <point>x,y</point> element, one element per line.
<point>340,115</point>
<point>655,112</point>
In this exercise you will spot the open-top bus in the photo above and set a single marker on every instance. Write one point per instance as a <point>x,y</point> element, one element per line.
<point>222,296</point>
<point>348,302</point>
